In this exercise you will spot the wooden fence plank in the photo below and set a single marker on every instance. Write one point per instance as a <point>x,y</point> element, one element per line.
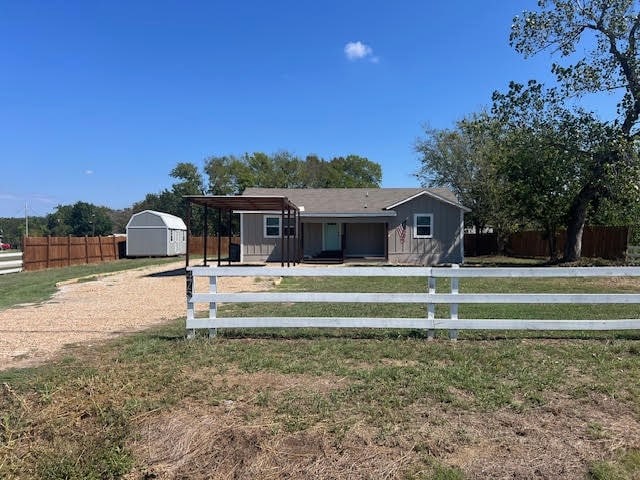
<point>52,252</point>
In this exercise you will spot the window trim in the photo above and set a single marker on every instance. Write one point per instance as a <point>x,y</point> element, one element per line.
<point>415,225</point>
<point>264,226</point>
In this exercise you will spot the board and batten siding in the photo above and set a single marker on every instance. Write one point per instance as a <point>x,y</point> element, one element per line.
<point>364,239</point>
<point>444,247</point>
<point>255,246</point>
<point>312,239</point>
<point>367,236</point>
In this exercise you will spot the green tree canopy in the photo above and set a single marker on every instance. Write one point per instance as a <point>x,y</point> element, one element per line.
<point>80,219</point>
<point>596,41</point>
<point>232,175</point>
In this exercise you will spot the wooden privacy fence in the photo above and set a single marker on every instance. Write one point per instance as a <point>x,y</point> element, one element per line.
<point>430,298</point>
<point>10,262</point>
<point>480,244</point>
<point>51,252</point>
<point>196,245</point>
<point>600,242</point>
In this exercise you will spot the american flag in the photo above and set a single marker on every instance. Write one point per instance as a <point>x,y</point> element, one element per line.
<point>401,231</point>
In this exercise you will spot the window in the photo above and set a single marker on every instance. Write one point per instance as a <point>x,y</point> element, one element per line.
<point>272,226</point>
<point>423,224</point>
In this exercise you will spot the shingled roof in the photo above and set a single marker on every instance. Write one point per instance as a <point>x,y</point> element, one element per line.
<point>373,201</point>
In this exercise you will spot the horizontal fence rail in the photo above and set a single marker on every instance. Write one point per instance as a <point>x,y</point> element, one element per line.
<point>10,262</point>
<point>430,298</point>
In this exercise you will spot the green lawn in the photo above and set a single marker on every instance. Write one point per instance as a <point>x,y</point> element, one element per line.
<point>314,403</point>
<point>33,287</point>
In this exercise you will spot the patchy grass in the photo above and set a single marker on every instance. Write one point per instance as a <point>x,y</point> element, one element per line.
<point>325,404</point>
<point>625,467</point>
<point>38,286</point>
<point>504,261</point>
<point>336,404</point>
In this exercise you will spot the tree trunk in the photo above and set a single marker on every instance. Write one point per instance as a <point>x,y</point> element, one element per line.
<point>552,243</point>
<point>575,225</point>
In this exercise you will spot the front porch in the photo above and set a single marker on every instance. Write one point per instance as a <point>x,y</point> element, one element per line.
<point>340,241</point>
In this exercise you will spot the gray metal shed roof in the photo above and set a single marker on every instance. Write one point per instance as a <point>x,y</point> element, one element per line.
<point>170,221</point>
<point>353,200</point>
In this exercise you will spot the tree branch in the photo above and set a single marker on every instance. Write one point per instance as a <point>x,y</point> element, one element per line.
<point>628,72</point>
<point>631,49</point>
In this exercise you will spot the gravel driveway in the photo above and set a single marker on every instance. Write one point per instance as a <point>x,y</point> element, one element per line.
<point>99,309</point>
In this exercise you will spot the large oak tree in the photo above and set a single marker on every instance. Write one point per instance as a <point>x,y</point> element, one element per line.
<point>596,43</point>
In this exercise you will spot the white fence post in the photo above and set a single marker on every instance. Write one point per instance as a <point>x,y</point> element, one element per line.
<point>213,310</point>
<point>431,308</point>
<point>191,332</point>
<point>453,333</point>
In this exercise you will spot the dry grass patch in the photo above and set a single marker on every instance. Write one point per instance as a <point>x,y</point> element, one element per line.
<point>216,442</point>
<point>558,440</point>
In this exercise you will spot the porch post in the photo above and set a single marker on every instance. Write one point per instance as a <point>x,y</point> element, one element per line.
<point>301,241</point>
<point>219,233</point>
<point>282,234</point>
<point>229,232</point>
<point>288,236</point>
<point>386,243</point>
<point>295,237</point>
<point>205,233</point>
<point>188,232</point>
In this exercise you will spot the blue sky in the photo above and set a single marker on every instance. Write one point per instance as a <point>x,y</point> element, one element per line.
<point>100,100</point>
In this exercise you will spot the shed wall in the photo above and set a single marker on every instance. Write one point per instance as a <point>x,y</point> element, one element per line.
<point>150,241</point>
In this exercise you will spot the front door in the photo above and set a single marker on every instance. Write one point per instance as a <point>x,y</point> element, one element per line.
<point>331,236</point>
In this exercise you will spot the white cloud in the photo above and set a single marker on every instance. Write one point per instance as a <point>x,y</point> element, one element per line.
<point>88,172</point>
<point>359,51</point>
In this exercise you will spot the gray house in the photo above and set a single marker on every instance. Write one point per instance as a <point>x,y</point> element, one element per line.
<point>156,234</point>
<point>419,226</point>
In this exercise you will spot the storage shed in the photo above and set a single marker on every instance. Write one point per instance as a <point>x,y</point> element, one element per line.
<point>156,234</point>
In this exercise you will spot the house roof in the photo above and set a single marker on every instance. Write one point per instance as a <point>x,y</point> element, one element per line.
<point>357,201</point>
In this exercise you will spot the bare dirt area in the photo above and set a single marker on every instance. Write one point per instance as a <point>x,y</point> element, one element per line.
<point>235,439</point>
<point>98,308</point>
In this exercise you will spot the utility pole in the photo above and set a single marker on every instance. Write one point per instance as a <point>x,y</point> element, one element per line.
<point>26,220</point>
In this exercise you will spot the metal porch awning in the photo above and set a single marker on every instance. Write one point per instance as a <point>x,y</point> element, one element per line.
<point>229,204</point>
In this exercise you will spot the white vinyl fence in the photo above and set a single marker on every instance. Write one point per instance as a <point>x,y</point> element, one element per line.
<point>430,298</point>
<point>10,262</point>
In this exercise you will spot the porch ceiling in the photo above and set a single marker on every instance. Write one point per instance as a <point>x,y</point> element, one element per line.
<point>242,202</point>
